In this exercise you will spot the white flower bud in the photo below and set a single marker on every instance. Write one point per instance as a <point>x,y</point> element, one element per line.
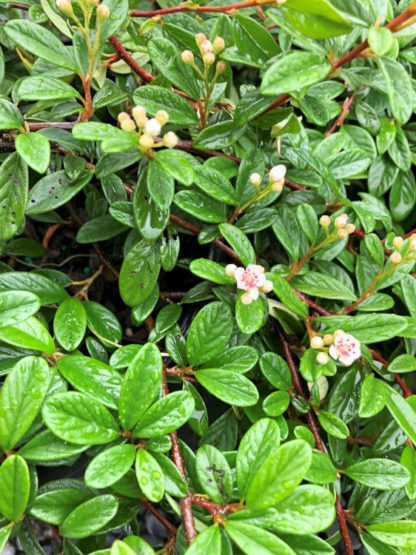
<point>317,342</point>
<point>396,257</point>
<point>267,286</point>
<point>220,67</point>
<point>341,221</point>
<point>255,179</point>
<point>146,141</point>
<point>199,38</point>
<point>246,298</point>
<point>277,173</point>
<point>187,57</point>
<point>218,45</point>
<point>413,245</point>
<point>103,13</point>
<point>123,116</point>
<point>170,139</point>
<point>152,127</point>
<point>337,333</point>
<point>230,270</point>
<point>277,186</point>
<point>328,339</point>
<point>162,117</point>
<point>350,228</point>
<point>127,124</point>
<point>398,242</point>
<point>324,220</point>
<point>209,59</point>
<point>342,233</point>
<point>139,115</point>
<point>206,47</point>
<point>65,6</point>
<point>322,358</point>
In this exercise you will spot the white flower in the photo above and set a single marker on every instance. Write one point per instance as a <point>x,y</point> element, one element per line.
<point>345,348</point>
<point>251,280</point>
<point>152,127</point>
<point>277,173</point>
<point>206,47</point>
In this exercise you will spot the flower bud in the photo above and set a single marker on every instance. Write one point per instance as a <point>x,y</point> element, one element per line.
<point>324,220</point>
<point>341,221</point>
<point>92,3</point>
<point>328,338</point>
<point>413,245</point>
<point>396,257</point>
<point>350,228</point>
<point>342,233</point>
<point>256,179</point>
<point>267,286</point>
<point>187,57</point>
<point>139,115</point>
<point>398,242</point>
<point>338,332</point>
<point>127,124</point>
<point>199,38</point>
<point>152,127</point>
<point>209,59</point>
<point>146,141</point>
<point>65,6</point>
<point>277,186</point>
<point>218,45</point>
<point>162,117</point>
<point>230,270</point>
<point>277,173</point>
<point>246,298</point>
<point>322,358</point>
<point>102,13</point>
<point>123,116</point>
<point>317,342</point>
<point>206,47</point>
<point>170,139</point>
<point>220,67</point>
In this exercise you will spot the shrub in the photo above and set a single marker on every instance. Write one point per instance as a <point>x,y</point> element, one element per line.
<point>207,306</point>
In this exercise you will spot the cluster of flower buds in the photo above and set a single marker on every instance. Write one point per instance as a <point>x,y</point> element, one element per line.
<point>404,249</point>
<point>66,7</point>
<point>147,129</point>
<point>341,226</point>
<point>342,346</point>
<point>209,50</point>
<point>251,280</point>
<point>276,179</point>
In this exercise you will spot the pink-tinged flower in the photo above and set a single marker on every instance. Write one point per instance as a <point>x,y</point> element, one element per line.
<point>345,348</point>
<point>251,280</point>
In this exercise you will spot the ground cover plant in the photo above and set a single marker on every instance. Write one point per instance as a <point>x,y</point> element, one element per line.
<point>207,297</point>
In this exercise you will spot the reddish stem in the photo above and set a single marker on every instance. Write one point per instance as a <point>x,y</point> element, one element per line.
<point>343,526</point>
<point>344,112</point>
<point>203,9</point>
<point>169,527</point>
<point>124,55</point>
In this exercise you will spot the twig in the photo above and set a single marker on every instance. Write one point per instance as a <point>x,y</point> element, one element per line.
<point>169,527</point>
<point>340,119</point>
<point>124,55</point>
<point>203,9</point>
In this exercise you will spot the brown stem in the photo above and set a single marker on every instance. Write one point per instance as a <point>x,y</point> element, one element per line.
<point>343,527</point>
<point>298,265</point>
<point>169,527</point>
<point>185,502</point>
<point>19,6</point>
<point>340,119</point>
<point>171,295</point>
<point>203,9</point>
<point>124,55</point>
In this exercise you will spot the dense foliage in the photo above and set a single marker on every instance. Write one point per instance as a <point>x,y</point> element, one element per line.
<point>207,306</point>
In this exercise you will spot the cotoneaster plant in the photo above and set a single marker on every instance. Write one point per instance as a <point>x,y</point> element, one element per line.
<point>207,283</point>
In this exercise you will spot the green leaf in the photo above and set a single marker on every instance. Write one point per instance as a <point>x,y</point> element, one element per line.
<point>322,285</point>
<point>35,150</point>
<point>150,218</point>
<point>279,475</point>
<point>215,184</point>
<point>332,424</point>
<point>276,403</point>
<point>89,517</point>
<point>160,186</point>
<point>368,328</point>
<point>70,323</point>
<point>293,72</point>
<point>21,397</point>
<point>4,535</point>
<point>139,273</point>
<point>74,417</point>
<point>47,291</point>
<point>16,306</point>
<point>381,474</point>
<point>285,293</point>
<point>239,359</point>
<point>166,415</point>
<point>55,505</point>
<point>403,363</point>
<point>251,539</point>
<point>239,242</point>
<point>13,195</point>
<point>150,476</point>
<point>220,135</point>
<point>198,421</point>
<point>92,377</point>
<point>201,206</point>
<point>371,397</point>
<point>101,228</point>
<point>380,40</point>
<point>401,410</point>
<point>398,88</point>
<point>176,164</point>
<point>321,471</point>
<point>214,473</point>
<point>401,533</point>
<point>166,58</point>
<point>14,487</point>
<point>253,40</point>
<point>41,87</point>
<point>143,374</point>
<point>118,13</point>
<point>158,98</point>
<point>29,334</point>
<point>208,541</point>
<point>211,271</point>
<point>318,20</point>
<point>46,447</point>
<point>10,116</point>
<point>256,445</point>
<point>276,370</point>
<point>174,483</point>
<point>230,387</point>
<point>103,322</point>
<point>209,333</point>
<point>109,466</point>
<point>250,317</point>
<point>408,460</point>
<point>386,134</point>
<point>41,42</point>
<point>308,221</point>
